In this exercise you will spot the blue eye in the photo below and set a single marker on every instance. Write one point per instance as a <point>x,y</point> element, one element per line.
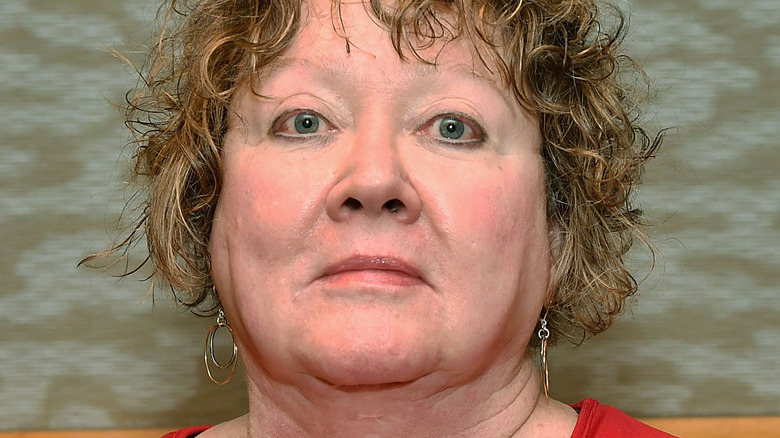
<point>306,123</point>
<point>456,129</point>
<point>451,129</point>
<point>301,124</point>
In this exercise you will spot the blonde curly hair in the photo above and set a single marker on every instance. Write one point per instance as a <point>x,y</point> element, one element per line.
<point>554,56</point>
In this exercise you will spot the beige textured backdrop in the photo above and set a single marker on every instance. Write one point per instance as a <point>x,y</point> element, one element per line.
<point>78,351</point>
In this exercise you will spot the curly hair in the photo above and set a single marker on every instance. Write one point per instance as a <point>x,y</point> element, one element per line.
<point>555,56</point>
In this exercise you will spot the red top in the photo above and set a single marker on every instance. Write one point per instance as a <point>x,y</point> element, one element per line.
<point>595,421</point>
<point>602,421</point>
<point>188,432</point>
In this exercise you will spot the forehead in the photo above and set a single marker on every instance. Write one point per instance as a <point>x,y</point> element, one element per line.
<point>331,30</point>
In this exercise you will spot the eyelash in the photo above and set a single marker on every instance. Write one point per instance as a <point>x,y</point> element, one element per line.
<point>278,126</point>
<point>472,129</point>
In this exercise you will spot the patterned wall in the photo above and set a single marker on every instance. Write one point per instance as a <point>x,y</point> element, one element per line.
<point>80,350</point>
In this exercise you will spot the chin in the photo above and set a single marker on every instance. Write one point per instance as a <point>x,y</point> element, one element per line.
<point>369,352</point>
<point>376,376</point>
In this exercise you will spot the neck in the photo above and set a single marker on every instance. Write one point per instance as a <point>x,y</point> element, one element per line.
<point>493,404</point>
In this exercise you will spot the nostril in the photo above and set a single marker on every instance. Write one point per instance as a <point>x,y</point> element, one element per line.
<point>353,204</point>
<point>394,205</point>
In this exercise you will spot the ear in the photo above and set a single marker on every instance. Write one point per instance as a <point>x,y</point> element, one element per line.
<point>555,239</point>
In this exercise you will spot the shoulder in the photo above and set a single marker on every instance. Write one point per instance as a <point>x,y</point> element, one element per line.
<point>602,421</point>
<point>232,428</point>
<point>188,432</point>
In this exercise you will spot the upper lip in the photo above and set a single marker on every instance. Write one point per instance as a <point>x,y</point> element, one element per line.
<point>372,262</point>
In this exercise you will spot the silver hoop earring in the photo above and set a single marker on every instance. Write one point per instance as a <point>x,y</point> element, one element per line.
<point>544,335</point>
<point>209,356</point>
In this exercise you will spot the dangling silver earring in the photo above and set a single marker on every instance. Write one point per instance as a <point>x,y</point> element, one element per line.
<point>208,353</point>
<point>544,335</point>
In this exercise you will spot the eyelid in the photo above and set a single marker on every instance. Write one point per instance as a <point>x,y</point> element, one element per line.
<point>470,122</point>
<point>282,118</point>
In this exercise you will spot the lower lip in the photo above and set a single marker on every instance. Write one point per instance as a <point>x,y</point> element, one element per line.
<point>371,278</point>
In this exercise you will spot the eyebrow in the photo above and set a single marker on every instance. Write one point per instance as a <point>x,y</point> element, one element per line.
<point>337,67</point>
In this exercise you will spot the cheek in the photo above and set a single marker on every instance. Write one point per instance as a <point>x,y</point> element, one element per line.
<point>267,199</point>
<point>262,219</point>
<point>507,234</point>
<point>505,210</point>
<point>502,255</point>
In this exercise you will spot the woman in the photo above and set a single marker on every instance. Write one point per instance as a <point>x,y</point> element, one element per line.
<point>388,204</point>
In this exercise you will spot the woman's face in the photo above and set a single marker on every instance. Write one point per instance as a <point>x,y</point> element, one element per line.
<point>380,221</point>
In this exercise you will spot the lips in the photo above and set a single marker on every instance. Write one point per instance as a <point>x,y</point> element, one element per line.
<point>363,270</point>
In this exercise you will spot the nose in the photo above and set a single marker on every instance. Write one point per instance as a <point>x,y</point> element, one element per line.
<point>373,181</point>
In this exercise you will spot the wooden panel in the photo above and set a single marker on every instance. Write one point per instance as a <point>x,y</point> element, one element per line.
<point>745,427</point>
<point>742,427</point>
<point>140,433</point>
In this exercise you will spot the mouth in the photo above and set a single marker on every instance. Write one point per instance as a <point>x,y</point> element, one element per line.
<point>371,271</point>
